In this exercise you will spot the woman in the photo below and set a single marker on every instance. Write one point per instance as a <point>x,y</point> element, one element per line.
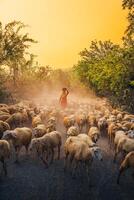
<point>63,98</point>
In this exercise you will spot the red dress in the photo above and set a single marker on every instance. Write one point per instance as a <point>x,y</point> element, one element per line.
<point>63,101</point>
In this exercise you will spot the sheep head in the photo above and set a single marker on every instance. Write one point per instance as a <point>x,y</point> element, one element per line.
<point>97,153</point>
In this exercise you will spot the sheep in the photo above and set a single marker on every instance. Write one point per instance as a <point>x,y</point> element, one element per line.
<point>130,133</point>
<point>4,153</point>
<point>128,117</point>
<point>132,126</point>
<point>119,116</point>
<point>3,105</point>
<point>124,145</point>
<point>3,127</point>
<point>72,131</point>
<point>39,131</point>
<point>87,139</point>
<point>81,120</point>
<point>16,120</point>
<point>19,137</point>
<point>127,125</point>
<point>94,133</point>
<point>68,121</point>
<point>4,116</point>
<point>46,144</point>
<point>4,109</point>
<point>51,125</point>
<point>12,109</point>
<point>118,135</point>
<point>102,125</point>
<point>79,151</point>
<point>126,163</point>
<point>91,120</point>
<point>112,128</point>
<point>36,121</point>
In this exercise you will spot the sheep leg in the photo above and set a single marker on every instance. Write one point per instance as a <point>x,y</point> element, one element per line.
<point>65,161</point>
<point>123,154</point>
<point>110,141</point>
<point>79,168</point>
<point>17,149</point>
<point>26,147</point>
<point>4,166</point>
<point>75,165</point>
<point>59,152</point>
<point>87,171</point>
<point>44,161</point>
<point>71,161</point>
<point>52,158</point>
<point>47,155</point>
<point>115,155</point>
<point>119,174</point>
<point>80,128</point>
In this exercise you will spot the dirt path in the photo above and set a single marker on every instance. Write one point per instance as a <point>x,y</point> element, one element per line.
<point>29,180</point>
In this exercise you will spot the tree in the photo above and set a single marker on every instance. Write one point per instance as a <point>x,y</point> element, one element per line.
<point>129,4</point>
<point>13,46</point>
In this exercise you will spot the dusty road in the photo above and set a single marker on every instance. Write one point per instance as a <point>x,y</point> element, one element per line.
<point>30,180</point>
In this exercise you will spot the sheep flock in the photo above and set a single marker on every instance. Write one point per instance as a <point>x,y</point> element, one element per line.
<point>37,128</point>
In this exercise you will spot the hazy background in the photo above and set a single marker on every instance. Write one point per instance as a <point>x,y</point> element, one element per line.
<point>64,27</point>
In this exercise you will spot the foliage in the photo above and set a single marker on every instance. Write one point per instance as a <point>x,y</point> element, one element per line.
<point>13,46</point>
<point>106,68</point>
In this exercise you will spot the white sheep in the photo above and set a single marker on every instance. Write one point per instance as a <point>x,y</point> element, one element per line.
<point>46,144</point>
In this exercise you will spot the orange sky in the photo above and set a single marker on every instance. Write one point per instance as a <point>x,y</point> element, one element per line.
<point>64,27</point>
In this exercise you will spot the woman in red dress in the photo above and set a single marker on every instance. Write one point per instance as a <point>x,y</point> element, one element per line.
<point>63,98</point>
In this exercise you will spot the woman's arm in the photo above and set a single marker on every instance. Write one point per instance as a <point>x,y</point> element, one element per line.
<point>67,92</point>
<point>60,98</point>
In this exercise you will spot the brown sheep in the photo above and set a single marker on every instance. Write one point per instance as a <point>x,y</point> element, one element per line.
<point>36,121</point>
<point>19,137</point>
<point>102,125</point>
<point>72,131</point>
<point>39,131</point>
<point>126,163</point>
<point>94,133</point>
<point>81,120</point>
<point>125,145</point>
<point>4,153</point>
<point>3,127</point>
<point>16,120</point>
<point>92,120</point>
<point>112,128</point>
<point>68,121</point>
<point>80,152</point>
<point>4,116</point>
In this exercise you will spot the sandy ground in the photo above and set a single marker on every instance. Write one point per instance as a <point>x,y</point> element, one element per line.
<point>30,180</point>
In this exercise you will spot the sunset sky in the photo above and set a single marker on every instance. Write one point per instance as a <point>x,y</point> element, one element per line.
<point>64,27</point>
